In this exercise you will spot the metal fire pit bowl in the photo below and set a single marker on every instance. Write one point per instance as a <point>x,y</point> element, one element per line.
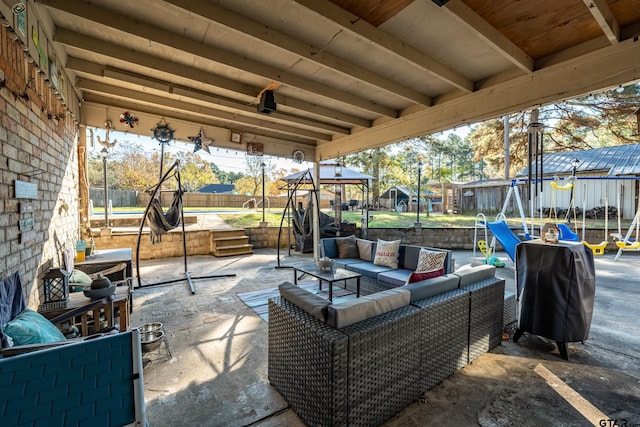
<point>150,340</point>
<point>150,327</point>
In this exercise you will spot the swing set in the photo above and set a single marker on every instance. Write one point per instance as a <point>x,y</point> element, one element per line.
<point>626,242</point>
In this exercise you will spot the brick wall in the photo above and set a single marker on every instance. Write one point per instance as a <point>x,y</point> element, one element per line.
<point>38,140</point>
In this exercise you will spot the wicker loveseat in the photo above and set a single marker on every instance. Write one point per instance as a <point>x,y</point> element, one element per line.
<point>335,368</point>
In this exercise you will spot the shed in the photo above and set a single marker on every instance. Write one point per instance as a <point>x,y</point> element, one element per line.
<point>603,175</point>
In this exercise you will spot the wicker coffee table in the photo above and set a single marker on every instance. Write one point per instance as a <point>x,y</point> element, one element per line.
<point>329,276</point>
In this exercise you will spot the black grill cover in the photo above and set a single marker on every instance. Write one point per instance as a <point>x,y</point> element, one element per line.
<point>556,287</point>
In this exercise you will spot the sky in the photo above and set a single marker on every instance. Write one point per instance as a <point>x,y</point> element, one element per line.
<point>227,160</point>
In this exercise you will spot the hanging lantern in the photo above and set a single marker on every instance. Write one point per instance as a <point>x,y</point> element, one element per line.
<point>56,289</point>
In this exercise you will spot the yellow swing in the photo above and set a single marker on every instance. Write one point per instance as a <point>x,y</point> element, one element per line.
<point>627,243</point>
<point>599,248</point>
<point>564,230</point>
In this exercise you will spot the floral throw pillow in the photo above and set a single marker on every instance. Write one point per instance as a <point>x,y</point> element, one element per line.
<point>430,260</point>
<point>387,253</point>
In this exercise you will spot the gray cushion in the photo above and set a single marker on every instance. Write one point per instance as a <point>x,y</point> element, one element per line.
<point>312,304</point>
<point>431,287</point>
<point>469,275</point>
<point>395,277</point>
<point>409,257</point>
<point>356,310</point>
<point>367,269</point>
<point>343,262</point>
<point>328,248</point>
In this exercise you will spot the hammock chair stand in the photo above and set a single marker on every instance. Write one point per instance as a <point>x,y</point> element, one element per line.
<point>179,206</point>
<point>291,208</point>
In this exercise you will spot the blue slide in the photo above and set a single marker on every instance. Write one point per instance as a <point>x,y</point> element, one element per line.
<point>566,233</point>
<point>507,238</point>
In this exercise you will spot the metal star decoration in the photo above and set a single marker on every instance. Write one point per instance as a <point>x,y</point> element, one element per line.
<point>206,142</point>
<point>197,141</point>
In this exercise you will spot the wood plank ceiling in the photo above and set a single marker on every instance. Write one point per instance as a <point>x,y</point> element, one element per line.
<point>346,74</point>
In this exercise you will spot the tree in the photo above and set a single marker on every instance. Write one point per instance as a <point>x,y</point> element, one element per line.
<point>251,183</point>
<point>596,120</point>
<point>224,176</point>
<point>128,168</point>
<point>195,172</point>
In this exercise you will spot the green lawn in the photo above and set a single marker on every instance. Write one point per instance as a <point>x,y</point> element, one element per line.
<point>237,217</point>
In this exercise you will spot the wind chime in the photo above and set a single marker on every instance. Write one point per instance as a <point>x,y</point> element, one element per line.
<point>535,158</point>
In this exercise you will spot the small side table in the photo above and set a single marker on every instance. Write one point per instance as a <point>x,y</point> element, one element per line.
<point>77,300</point>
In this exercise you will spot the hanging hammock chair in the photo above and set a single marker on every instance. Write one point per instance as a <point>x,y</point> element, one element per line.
<point>161,222</point>
<point>303,220</point>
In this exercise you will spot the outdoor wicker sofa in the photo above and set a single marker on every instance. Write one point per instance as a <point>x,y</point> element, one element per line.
<point>377,277</point>
<point>359,362</point>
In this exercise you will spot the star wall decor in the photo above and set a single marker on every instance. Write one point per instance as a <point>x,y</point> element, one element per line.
<point>162,132</point>
<point>197,141</point>
<point>206,141</point>
<point>128,119</point>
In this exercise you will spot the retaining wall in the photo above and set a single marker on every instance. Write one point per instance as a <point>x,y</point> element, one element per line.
<point>199,242</point>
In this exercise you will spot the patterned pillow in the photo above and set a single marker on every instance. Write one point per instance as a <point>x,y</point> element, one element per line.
<point>347,247</point>
<point>430,260</point>
<point>387,253</point>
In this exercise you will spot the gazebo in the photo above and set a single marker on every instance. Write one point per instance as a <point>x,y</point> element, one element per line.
<point>330,173</point>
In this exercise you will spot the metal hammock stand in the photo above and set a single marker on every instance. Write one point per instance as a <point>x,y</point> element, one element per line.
<point>290,208</point>
<point>160,223</point>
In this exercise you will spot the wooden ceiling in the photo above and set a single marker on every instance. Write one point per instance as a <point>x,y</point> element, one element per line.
<point>347,74</point>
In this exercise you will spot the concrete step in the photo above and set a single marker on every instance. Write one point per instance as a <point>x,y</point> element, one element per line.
<point>223,241</point>
<point>227,232</point>
<point>232,250</point>
<point>230,242</point>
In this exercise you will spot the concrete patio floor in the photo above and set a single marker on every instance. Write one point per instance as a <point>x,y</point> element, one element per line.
<point>217,375</point>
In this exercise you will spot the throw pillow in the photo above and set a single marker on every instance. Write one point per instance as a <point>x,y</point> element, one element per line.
<point>387,253</point>
<point>347,247</point>
<point>365,249</point>
<point>30,327</point>
<point>430,260</point>
<point>78,276</point>
<point>418,277</point>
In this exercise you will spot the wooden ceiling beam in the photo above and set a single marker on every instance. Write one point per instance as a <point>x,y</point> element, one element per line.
<point>490,35</point>
<point>264,33</point>
<point>234,88</point>
<point>94,70</point>
<point>386,41</point>
<point>592,72</point>
<point>98,107</point>
<point>256,124</point>
<point>603,15</point>
<point>153,34</point>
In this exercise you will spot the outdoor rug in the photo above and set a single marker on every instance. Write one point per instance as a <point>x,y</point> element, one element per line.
<point>258,301</point>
